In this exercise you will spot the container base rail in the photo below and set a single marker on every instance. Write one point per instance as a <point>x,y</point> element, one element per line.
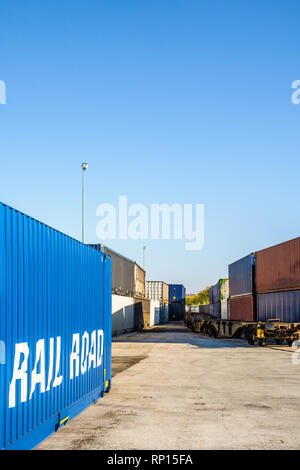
<point>253,332</point>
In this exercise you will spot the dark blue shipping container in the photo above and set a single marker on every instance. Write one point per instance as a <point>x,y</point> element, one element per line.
<point>55,329</point>
<point>176,293</point>
<point>176,311</point>
<point>242,276</point>
<point>282,305</point>
<point>219,291</point>
<point>210,295</point>
<point>215,309</point>
<point>216,292</point>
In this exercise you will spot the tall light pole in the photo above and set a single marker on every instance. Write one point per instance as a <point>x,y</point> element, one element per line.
<point>144,249</point>
<point>84,168</point>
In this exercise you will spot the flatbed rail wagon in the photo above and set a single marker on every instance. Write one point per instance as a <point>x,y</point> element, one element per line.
<point>253,332</point>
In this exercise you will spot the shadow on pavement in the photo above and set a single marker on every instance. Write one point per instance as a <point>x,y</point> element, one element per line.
<point>177,333</point>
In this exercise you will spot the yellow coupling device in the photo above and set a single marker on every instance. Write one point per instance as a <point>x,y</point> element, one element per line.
<point>260,333</point>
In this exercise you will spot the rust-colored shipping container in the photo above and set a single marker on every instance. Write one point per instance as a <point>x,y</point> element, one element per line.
<point>243,308</point>
<point>278,267</point>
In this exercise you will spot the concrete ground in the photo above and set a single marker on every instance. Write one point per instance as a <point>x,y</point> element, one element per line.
<point>173,389</point>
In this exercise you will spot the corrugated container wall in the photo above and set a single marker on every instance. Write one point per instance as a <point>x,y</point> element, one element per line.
<point>216,309</point>
<point>128,278</point>
<point>242,276</point>
<point>176,293</point>
<point>224,289</point>
<point>123,314</point>
<point>282,305</point>
<point>143,311</point>
<point>278,267</point>
<point>243,308</point>
<point>220,291</point>
<point>157,290</point>
<point>210,295</point>
<point>155,310</point>
<point>216,292</point>
<point>164,313</point>
<point>176,311</point>
<point>197,309</point>
<point>204,309</point>
<point>225,309</point>
<point>55,328</point>
<point>140,281</point>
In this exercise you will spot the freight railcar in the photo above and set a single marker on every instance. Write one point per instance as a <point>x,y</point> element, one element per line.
<point>253,332</point>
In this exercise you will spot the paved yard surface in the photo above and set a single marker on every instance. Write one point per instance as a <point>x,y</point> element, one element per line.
<point>174,389</point>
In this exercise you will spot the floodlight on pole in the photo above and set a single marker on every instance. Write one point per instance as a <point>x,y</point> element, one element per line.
<point>84,168</point>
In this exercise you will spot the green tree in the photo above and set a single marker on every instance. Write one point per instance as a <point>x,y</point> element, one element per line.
<point>202,298</point>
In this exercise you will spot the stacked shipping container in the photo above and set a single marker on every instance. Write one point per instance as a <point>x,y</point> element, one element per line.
<point>218,295</point>
<point>128,278</point>
<point>176,293</point>
<point>159,290</point>
<point>176,302</point>
<point>278,282</point>
<point>242,289</point>
<point>128,288</point>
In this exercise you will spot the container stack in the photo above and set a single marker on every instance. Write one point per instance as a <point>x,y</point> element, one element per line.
<point>278,282</point>
<point>159,291</point>
<point>176,302</point>
<point>218,299</point>
<point>242,289</point>
<point>130,311</point>
<point>128,278</point>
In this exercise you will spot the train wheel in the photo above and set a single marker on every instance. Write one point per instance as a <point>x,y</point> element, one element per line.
<point>289,342</point>
<point>261,342</point>
<point>278,341</point>
<point>251,339</point>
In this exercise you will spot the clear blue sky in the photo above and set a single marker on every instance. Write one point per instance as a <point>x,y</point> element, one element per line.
<point>168,101</point>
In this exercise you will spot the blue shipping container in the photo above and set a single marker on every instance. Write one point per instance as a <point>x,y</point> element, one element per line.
<point>216,292</point>
<point>176,311</point>
<point>176,293</point>
<point>242,276</point>
<point>215,309</point>
<point>282,305</point>
<point>210,295</point>
<point>55,329</point>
